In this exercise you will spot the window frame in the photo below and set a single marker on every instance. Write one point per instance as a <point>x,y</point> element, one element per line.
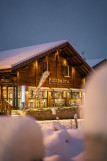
<point>45,68</point>
<point>67,71</point>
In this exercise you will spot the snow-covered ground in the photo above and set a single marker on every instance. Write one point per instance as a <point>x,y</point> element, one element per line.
<point>24,139</point>
<point>63,143</point>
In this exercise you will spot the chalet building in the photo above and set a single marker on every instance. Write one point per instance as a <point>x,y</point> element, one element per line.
<point>46,75</point>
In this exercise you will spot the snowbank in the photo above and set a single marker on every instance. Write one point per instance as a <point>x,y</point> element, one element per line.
<point>62,144</point>
<point>96,103</point>
<point>20,139</point>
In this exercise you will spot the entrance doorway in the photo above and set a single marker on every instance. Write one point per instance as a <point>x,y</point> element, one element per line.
<point>12,95</point>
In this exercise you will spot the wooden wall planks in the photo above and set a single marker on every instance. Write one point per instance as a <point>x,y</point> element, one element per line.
<point>30,75</point>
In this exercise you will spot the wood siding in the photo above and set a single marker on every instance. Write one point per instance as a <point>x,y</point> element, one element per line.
<point>30,75</point>
<point>27,75</point>
<point>7,77</point>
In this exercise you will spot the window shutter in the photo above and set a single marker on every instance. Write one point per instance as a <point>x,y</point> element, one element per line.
<point>44,66</point>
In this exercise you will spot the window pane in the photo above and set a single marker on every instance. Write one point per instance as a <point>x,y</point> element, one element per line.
<point>10,92</point>
<point>19,91</point>
<point>32,92</point>
<point>19,103</point>
<point>44,66</point>
<point>10,100</point>
<point>64,94</point>
<point>66,70</point>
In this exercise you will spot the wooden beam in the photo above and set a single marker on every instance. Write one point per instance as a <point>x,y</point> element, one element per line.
<point>67,99</point>
<point>36,72</point>
<point>49,99</point>
<point>78,65</point>
<point>66,52</point>
<point>5,70</point>
<point>69,50</point>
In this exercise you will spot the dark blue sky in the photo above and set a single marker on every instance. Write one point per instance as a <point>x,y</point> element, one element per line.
<point>30,22</point>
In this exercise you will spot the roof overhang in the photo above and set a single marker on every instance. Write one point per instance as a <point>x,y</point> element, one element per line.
<point>66,50</point>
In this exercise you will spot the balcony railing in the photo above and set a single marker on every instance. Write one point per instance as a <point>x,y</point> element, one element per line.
<point>5,107</point>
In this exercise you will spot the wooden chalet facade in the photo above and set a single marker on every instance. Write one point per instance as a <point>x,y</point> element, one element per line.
<point>21,71</point>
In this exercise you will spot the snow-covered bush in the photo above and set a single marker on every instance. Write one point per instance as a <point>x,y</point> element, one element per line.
<point>96,116</point>
<point>46,113</point>
<point>20,139</point>
<point>96,103</point>
<point>57,142</point>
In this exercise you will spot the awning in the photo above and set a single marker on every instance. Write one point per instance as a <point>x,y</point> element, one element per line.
<point>76,90</point>
<point>60,89</point>
<point>45,89</point>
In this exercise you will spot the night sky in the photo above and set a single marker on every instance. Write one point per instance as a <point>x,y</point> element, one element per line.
<point>31,22</point>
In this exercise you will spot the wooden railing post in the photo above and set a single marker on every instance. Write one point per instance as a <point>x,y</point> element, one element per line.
<point>3,107</point>
<point>6,107</point>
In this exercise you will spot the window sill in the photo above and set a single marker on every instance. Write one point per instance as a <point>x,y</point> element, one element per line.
<point>67,76</point>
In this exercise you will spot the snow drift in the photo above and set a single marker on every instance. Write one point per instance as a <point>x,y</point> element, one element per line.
<point>96,116</point>
<point>96,103</point>
<point>20,139</point>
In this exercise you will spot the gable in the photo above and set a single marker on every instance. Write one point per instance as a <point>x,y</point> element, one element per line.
<point>18,58</point>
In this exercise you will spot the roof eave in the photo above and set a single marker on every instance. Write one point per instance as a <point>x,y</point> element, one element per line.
<point>42,54</point>
<point>81,58</point>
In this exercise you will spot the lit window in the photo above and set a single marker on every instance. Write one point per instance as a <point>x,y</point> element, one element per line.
<point>67,71</point>
<point>45,66</point>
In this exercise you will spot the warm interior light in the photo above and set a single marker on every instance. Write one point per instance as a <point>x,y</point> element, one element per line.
<point>36,63</point>
<point>73,70</point>
<point>65,62</point>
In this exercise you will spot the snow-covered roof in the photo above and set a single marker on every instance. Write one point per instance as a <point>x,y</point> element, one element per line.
<point>20,57</point>
<point>11,58</point>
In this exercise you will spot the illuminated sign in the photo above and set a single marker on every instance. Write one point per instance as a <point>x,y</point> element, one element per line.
<point>61,81</point>
<point>5,81</point>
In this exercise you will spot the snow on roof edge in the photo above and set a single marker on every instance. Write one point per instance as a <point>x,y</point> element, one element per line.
<point>81,57</point>
<point>40,53</point>
<point>34,55</point>
<point>55,45</point>
<point>62,41</point>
